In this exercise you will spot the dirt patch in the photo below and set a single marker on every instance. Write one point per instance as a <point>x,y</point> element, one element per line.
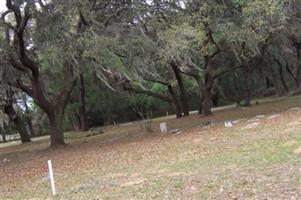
<point>213,163</point>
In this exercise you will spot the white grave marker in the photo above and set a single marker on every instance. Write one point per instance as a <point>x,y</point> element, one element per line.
<point>163,127</point>
<point>51,178</point>
<point>228,124</point>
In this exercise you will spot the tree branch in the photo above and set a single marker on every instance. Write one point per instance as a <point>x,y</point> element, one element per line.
<point>225,70</point>
<point>156,81</point>
<point>218,49</point>
<point>148,93</point>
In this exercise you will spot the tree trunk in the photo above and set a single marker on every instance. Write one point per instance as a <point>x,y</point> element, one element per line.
<point>247,86</point>
<point>282,79</point>
<point>30,69</point>
<point>279,88</point>
<point>215,92</point>
<point>236,88</point>
<point>178,110</point>
<point>40,129</point>
<point>215,99</point>
<point>56,128</point>
<point>55,109</point>
<point>298,74</point>
<point>27,117</point>
<point>268,83</point>
<point>207,101</point>
<point>74,119</point>
<point>176,102</point>
<point>30,125</point>
<point>20,125</point>
<point>3,134</point>
<point>82,108</point>
<point>207,86</point>
<point>183,95</point>
<point>201,104</point>
<point>205,106</point>
<point>290,72</point>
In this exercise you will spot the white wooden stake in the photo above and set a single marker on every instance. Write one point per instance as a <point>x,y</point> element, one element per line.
<point>163,127</point>
<point>51,178</point>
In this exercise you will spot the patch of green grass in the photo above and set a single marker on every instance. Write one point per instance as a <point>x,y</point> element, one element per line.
<point>260,154</point>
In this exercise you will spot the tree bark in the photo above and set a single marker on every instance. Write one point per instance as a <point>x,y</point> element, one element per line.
<point>236,88</point>
<point>215,91</point>
<point>268,83</point>
<point>282,79</point>
<point>207,101</point>
<point>183,95</point>
<point>290,72</point>
<point>56,128</point>
<point>31,128</point>
<point>82,108</point>
<point>27,117</point>
<point>247,86</point>
<point>3,134</point>
<point>18,121</point>
<point>207,86</point>
<point>205,106</point>
<point>297,46</point>
<point>176,102</point>
<point>178,110</point>
<point>201,104</point>
<point>55,110</point>
<point>279,88</point>
<point>298,74</point>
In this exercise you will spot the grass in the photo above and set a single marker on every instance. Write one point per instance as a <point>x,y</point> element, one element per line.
<point>200,163</point>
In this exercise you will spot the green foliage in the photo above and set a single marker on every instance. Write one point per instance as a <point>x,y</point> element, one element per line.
<point>135,42</point>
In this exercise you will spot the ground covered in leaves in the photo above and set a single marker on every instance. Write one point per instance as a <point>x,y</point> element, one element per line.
<point>259,157</point>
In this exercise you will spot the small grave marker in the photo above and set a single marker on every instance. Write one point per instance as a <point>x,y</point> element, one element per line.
<point>163,127</point>
<point>51,178</point>
<point>228,124</point>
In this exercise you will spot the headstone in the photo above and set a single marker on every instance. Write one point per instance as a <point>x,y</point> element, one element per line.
<point>163,127</point>
<point>228,124</point>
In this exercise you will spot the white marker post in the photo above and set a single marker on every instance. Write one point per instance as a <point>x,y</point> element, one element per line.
<point>163,127</point>
<point>51,178</point>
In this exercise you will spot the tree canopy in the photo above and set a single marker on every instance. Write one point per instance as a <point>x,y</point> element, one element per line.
<point>85,63</point>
